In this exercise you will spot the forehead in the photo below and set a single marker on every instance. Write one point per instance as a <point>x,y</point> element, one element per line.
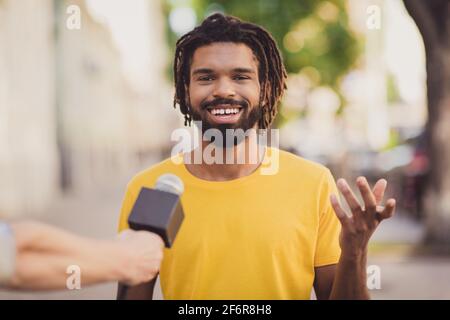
<point>224,56</point>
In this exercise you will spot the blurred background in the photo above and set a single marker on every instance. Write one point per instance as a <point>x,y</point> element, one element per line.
<point>86,102</point>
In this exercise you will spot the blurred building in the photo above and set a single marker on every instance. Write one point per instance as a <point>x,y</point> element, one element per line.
<point>69,118</point>
<point>28,154</point>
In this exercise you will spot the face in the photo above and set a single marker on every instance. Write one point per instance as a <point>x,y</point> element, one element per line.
<point>224,87</point>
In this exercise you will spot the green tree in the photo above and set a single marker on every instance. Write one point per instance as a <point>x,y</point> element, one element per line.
<point>433,20</point>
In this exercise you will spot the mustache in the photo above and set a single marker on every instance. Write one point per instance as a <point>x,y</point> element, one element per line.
<point>219,101</point>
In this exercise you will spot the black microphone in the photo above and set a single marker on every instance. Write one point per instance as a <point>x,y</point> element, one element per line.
<point>159,210</point>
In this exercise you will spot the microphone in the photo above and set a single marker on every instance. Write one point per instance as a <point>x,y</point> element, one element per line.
<point>159,210</point>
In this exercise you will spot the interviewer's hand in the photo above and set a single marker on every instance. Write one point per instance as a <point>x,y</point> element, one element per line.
<point>143,253</point>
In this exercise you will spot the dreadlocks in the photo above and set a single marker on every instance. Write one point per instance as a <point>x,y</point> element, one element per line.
<point>220,28</point>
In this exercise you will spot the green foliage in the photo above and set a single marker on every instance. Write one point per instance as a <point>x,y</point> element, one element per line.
<point>309,32</point>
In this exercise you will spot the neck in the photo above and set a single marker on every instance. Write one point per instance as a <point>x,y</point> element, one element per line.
<point>245,158</point>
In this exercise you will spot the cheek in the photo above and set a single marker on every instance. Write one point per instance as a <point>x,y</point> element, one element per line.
<point>198,93</point>
<point>252,93</point>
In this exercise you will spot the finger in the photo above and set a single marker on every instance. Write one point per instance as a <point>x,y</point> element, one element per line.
<point>388,210</point>
<point>367,195</point>
<point>349,196</point>
<point>378,190</point>
<point>340,213</point>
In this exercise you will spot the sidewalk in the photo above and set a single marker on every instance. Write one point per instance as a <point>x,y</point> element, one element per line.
<point>405,275</point>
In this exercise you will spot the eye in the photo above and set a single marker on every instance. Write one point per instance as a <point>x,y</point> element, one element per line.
<point>206,78</point>
<point>240,77</point>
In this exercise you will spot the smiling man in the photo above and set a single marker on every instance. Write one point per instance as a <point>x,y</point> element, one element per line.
<point>249,235</point>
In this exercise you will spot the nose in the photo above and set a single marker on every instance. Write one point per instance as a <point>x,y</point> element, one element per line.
<point>223,89</point>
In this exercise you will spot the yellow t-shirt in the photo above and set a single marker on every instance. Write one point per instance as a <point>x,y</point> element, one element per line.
<point>256,237</point>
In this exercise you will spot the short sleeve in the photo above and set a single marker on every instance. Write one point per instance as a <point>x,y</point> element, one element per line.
<point>327,247</point>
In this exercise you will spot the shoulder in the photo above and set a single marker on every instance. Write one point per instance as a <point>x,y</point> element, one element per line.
<point>295,165</point>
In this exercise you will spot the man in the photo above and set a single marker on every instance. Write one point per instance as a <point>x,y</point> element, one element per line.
<point>249,235</point>
<point>36,256</point>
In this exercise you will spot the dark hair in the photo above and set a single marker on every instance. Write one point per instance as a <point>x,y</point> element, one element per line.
<point>220,28</point>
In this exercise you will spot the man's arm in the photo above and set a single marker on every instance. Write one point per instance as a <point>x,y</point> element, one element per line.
<point>351,279</point>
<point>323,281</point>
<point>350,275</point>
<point>44,253</point>
<point>340,277</point>
<point>344,272</point>
<point>348,278</point>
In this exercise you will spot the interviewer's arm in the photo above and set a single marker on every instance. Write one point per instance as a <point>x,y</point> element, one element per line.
<point>44,253</point>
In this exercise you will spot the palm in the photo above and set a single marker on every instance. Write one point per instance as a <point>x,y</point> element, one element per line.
<point>358,227</point>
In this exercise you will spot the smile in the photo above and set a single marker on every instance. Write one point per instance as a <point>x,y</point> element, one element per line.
<point>224,111</point>
<point>225,114</point>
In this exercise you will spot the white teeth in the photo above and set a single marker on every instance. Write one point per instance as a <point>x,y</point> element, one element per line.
<point>225,111</point>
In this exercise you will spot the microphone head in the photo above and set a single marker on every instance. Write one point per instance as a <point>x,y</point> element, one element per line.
<point>170,183</point>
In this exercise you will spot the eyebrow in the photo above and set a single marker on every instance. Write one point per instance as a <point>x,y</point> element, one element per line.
<point>208,71</point>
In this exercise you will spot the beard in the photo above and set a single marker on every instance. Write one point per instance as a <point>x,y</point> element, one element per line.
<point>248,119</point>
